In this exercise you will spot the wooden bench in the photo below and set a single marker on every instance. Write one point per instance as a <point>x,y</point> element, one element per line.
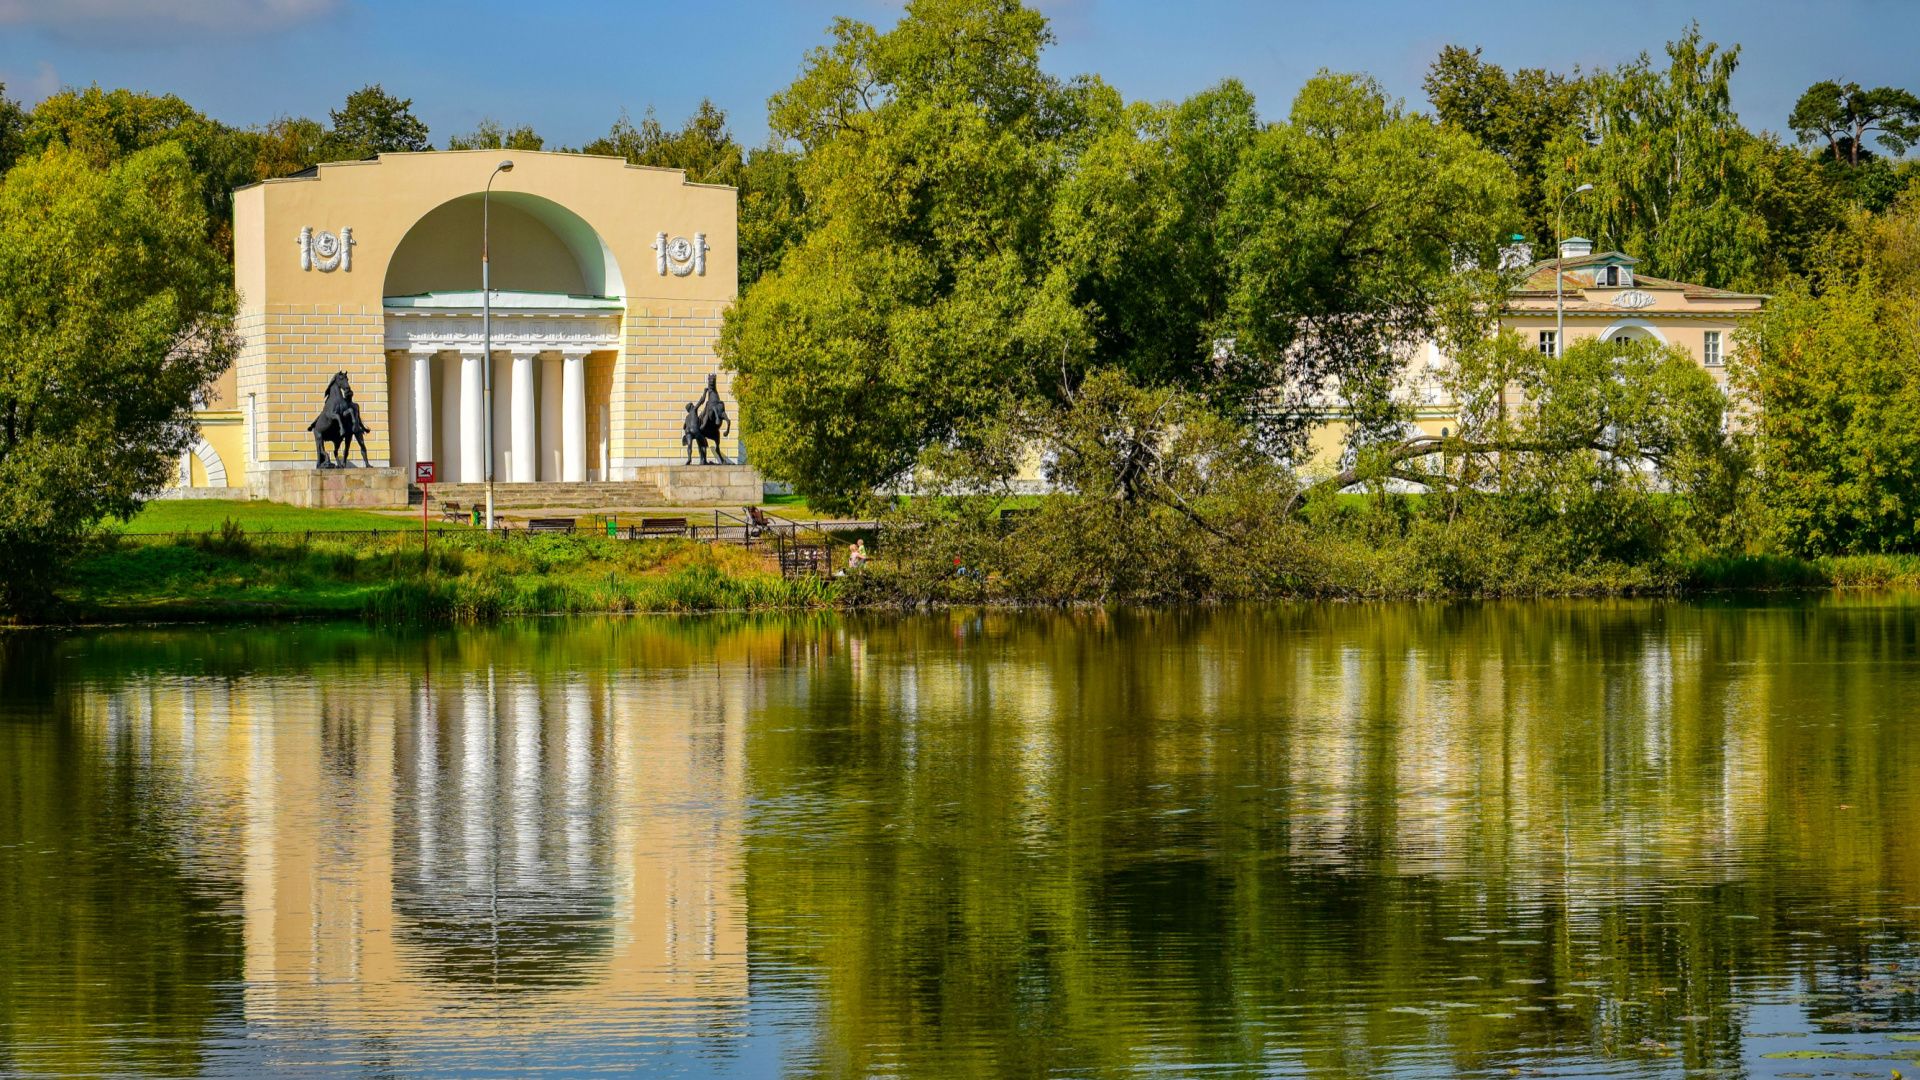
<point>452,512</point>
<point>652,527</point>
<point>797,559</point>
<point>554,525</point>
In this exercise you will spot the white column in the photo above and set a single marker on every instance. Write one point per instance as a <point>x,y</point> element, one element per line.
<point>423,405</point>
<point>573,417</point>
<point>524,452</point>
<point>473,461</point>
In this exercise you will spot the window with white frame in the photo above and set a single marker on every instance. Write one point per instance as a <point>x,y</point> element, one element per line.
<point>1548,341</point>
<point>1711,353</point>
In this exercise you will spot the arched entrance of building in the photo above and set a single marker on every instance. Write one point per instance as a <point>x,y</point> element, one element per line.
<point>557,302</point>
<point>1627,331</point>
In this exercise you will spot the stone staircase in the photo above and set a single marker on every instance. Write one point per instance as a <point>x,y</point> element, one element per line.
<point>591,495</point>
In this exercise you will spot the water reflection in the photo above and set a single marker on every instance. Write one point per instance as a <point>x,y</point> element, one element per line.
<point>1640,838</point>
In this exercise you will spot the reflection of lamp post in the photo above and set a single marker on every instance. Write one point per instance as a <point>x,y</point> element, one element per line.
<point>1559,257</point>
<point>486,336</point>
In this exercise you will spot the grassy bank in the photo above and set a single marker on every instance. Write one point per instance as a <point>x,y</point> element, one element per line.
<point>272,568</point>
<point>1771,573</point>
<point>234,574</point>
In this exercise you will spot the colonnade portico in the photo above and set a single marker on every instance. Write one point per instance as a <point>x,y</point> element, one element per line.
<point>540,386</point>
<point>519,432</point>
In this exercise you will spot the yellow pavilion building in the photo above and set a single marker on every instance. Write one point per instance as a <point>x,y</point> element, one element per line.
<point>608,285</point>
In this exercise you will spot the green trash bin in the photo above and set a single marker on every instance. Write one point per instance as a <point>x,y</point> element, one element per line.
<point>476,515</point>
<point>613,528</point>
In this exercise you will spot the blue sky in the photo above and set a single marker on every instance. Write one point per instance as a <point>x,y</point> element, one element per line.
<point>569,68</point>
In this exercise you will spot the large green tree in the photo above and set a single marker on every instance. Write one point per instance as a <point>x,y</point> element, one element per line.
<point>372,121</point>
<point>115,311</point>
<point>1675,175</point>
<point>106,126</point>
<point>1138,229</point>
<point>920,300</point>
<point>1355,231</point>
<point>1832,378</point>
<point>1515,116</point>
<point>1843,114</point>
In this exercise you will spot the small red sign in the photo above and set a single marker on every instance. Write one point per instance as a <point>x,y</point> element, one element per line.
<point>423,472</point>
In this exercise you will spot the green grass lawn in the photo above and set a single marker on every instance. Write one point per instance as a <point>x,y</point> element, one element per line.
<point>474,577</point>
<point>258,516</point>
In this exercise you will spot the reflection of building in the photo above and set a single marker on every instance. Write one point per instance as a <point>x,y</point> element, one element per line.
<point>404,849</point>
<point>609,281</point>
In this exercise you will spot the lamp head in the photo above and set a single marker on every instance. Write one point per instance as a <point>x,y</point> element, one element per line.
<point>507,166</point>
<point>1579,190</point>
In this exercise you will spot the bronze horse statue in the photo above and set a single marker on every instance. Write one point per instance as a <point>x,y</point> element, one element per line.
<point>707,421</point>
<point>339,423</point>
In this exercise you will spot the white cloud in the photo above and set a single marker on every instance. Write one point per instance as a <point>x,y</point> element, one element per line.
<point>134,22</point>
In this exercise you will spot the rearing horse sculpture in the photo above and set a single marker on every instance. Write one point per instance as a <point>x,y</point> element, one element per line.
<point>707,421</point>
<point>339,423</point>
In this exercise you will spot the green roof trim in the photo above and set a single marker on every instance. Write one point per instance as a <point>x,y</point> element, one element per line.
<point>505,300</point>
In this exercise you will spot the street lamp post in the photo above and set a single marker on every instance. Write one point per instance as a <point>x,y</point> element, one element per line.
<point>486,335</point>
<point>1559,257</point>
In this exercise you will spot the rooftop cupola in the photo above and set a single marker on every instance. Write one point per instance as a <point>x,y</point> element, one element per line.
<point>1574,247</point>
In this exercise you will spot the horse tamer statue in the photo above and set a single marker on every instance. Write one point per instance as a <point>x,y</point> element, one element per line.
<point>705,422</point>
<point>339,423</point>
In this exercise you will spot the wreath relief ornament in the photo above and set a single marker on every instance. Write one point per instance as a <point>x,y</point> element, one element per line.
<point>679,255</point>
<point>324,251</point>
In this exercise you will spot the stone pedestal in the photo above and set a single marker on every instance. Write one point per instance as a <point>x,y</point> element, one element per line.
<point>362,489</point>
<point>704,485</point>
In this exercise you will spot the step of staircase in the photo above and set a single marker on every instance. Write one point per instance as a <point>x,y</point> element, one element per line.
<point>593,494</point>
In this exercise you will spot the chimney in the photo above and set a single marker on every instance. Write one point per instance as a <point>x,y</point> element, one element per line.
<point>1516,256</point>
<point>1574,247</point>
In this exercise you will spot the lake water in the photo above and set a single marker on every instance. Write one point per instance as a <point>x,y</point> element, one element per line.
<point>1627,838</point>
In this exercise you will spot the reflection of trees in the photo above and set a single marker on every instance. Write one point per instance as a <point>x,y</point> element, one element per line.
<point>119,943</point>
<point>501,863</point>
<point>1112,841</point>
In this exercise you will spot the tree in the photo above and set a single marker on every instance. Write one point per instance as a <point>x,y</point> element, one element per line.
<point>1515,117</point>
<point>1675,176</point>
<point>1843,114</point>
<point>106,126</point>
<point>489,134</point>
<point>1354,231</point>
<point>115,311</point>
<point>13,124</point>
<point>772,210</point>
<point>287,145</point>
<point>768,179</point>
<point>919,302</point>
<point>373,121</point>
<point>1832,379</point>
<point>703,148</point>
<point>1138,231</point>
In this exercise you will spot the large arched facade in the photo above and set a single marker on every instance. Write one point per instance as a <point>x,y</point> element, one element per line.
<point>608,279</point>
<point>557,304</point>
